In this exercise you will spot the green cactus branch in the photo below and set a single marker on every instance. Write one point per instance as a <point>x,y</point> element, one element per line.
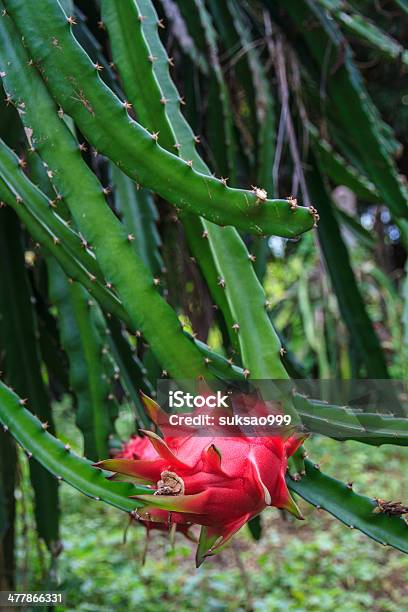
<point>112,245</point>
<point>347,84</point>
<point>84,346</point>
<point>58,458</point>
<point>104,120</point>
<point>366,31</point>
<point>259,344</point>
<point>23,362</point>
<point>355,511</point>
<point>72,268</point>
<point>30,196</point>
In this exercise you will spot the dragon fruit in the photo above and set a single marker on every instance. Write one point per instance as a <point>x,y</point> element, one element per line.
<point>218,482</point>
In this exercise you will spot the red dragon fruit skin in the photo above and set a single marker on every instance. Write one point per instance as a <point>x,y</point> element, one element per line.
<point>218,482</point>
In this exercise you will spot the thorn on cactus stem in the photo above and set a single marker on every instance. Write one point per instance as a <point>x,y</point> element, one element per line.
<point>221,282</point>
<point>177,146</point>
<point>230,361</point>
<point>101,25</point>
<point>317,466</point>
<point>4,13</point>
<point>45,425</point>
<point>160,24</point>
<point>246,373</point>
<point>267,304</point>
<point>107,190</point>
<point>3,74</point>
<point>111,397</point>
<point>182,100</point>
<point>5,428</point>
<point>155,136</point>
<point>130,237</point>
<point>152,58</point>
<point>28,454</point>
<point>261,194</point>
<point>61,113</point>
<point>252,257</point>
<point>138,333</point>
<point>282,351</point>
<point>164,373</point>
<point>141,18</point>
<point>224,181</point>
<point>204,234</point>
<point>52,203</point>
<point>315,215</point>
<point>82,147</point>
<point>156,282</point>
<point>293,205</point>
<point>189,163</point>
<point>92,277</point>
<point>91,303</point>
<point>163,100</point>
<point>350,485</point>
<point>171,61</point>
<point>23,402</point>
<point>22,162</point>
<point>108,285</point>
<point>67,447</point>
<point>207,360</point>
<point>197,140</point>
<point>236,327</point>
<point>98,67</point>
<point>71,20</point>
<point>56,240</point>
<point>19,199</point>
<point>126,105</point>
